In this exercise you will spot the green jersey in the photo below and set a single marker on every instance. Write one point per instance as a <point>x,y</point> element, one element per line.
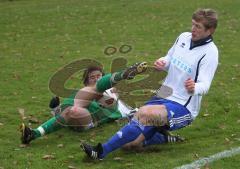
<point>99,113</point>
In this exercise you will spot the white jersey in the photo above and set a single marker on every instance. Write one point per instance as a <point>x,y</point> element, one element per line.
<point>182,63</point>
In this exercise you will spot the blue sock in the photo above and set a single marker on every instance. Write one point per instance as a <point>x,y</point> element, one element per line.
<point>127,134</point>
<point>157,138</point>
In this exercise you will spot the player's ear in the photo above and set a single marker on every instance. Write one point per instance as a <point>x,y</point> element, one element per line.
<point>211,30</point>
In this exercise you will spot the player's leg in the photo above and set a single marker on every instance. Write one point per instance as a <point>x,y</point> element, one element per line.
<point>109,80</point>
<point>159,137</point>
<point>136,144</point>
<point>130,132</point>
<point>154,115</point>
<point>80,118</point>
<point>52,125</point>
<point>178,117</point>
<point>149,116</point>
<point>85,95</point>
<point>127,134</point>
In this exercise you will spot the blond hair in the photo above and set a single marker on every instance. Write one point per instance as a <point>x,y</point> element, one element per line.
<point>208,17</point>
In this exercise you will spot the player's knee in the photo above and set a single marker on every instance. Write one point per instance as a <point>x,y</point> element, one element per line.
<point>155,115</point>
<point>65,114</point>
<point>75,117</point>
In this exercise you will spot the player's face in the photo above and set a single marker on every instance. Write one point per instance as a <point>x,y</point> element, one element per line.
<point>93,77</point>
<point>199,31</point>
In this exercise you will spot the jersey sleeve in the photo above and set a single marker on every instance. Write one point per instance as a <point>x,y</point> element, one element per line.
<point>207,70</point>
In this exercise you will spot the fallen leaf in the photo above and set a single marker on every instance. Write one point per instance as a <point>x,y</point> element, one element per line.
<point>118,158</point>
<point>71,167</point>
<point>227,141</point>
<point>129,164</point>
<point>16,76</point>
<point>21,111</point>
<point>238,139</point>
<point>205,115</point>
<point>48,157</point>
<point>60,145</point>
<point>1,124</point>
<point>196,155</point>
<point>23,145</point>
<point>222,126</point>
<point>236,65</point>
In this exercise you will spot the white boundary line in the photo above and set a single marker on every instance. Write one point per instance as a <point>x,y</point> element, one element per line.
<point>203,161</point>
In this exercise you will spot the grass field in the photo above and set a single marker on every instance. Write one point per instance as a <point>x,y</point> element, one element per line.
<point>38,37</point>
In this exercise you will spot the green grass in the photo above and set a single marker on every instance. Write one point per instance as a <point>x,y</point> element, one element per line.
<point>37,38</point>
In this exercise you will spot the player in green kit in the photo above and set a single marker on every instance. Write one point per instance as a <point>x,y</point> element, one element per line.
<point>94,104</point>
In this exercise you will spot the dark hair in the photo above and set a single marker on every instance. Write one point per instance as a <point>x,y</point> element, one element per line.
<point>207,16</point>
<point>88,71</point>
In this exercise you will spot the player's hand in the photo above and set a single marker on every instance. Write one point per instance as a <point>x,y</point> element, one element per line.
<point>190,85</point>
<point>159,64</point>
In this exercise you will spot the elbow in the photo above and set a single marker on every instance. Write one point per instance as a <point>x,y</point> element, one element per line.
<point>201,89</point>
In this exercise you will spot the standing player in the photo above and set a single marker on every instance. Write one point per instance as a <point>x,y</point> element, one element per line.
<point>191,64</point>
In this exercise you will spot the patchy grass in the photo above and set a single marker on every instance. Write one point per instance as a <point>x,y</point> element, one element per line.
<point>37,38</point>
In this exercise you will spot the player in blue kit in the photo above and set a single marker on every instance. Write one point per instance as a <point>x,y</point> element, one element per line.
<point>191,64</point>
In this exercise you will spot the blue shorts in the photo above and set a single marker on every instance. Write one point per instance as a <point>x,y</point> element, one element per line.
<point>178,115</point>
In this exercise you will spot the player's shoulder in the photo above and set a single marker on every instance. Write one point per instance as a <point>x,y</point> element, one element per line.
<point>184,37</point>
<point>187,35</point>
<point>211,48</point>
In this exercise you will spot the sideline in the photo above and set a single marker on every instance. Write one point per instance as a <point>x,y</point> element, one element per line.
<point>203,161</point>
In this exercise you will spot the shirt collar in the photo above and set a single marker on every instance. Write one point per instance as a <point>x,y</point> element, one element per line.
<point>201,42</point>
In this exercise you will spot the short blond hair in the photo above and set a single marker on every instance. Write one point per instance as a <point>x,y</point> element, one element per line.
<point>208,17</point>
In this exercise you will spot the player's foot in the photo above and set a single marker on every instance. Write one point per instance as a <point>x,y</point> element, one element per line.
<point>132,71</point>
<point>27,134</point>
<point>93,152</point>
<point>169,137</point>
<point>174,139</point>
<point>54,104</point>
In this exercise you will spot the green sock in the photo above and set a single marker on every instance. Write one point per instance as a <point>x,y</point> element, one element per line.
<point>53,124</point>
<point>104,83</point>
<point>117,76</point>
<point>108,81</point>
